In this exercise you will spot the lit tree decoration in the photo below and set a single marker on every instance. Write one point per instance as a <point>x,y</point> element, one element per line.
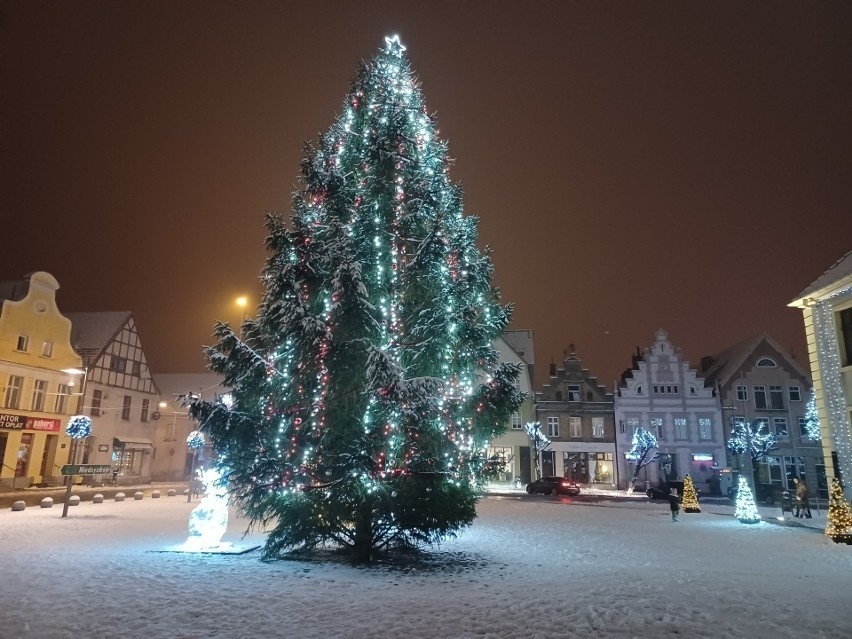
<point>539,443</point>
<point>195,440</point>
<point>643,452</point>
<point>690,496</point>
<point>754,439</point>
<point>812,419</point>
<point>79,427</point>
<point>745,509</point>
<point>367,389</point>
<point>838,524</point>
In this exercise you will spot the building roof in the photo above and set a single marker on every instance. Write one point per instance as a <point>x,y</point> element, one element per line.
<point>840,270</point>
<point>720,368</point>
<point>91,333</point>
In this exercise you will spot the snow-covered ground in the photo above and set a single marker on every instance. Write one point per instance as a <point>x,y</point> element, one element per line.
<point>537,568</point>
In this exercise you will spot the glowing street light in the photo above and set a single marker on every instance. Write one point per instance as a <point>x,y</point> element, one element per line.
<point>242,302</point>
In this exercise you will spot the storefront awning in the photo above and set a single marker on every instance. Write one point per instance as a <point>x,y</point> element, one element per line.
<point>132,443</point>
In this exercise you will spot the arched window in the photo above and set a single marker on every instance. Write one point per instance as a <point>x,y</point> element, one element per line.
<point>765,362</point>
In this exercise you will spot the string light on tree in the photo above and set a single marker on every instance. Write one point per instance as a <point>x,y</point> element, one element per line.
<point>838,524</point>
<point>690,496</point>
<point>195,440</point>
<point>365,392</point>
<point>746,509</point>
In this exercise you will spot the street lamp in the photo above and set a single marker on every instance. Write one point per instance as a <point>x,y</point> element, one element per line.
<point>242,302</point>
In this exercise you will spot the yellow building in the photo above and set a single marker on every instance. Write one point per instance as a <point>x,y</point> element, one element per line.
<point>37,396</point>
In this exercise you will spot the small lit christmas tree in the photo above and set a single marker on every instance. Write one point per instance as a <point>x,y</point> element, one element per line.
<point>746,510</point>
<point>812,419</point>
<point>839,522</point>
<point>690,496</point>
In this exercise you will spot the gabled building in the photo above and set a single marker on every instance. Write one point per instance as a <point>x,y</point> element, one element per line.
<point>662,394</point>
<point>757,380</point>
<point>578,416</point>
<point>827,312</point>
<point>513,447</point>
<point>37,390</point>
<point>120,394</point>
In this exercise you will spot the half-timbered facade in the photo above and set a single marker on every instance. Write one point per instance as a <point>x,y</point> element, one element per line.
<point>120,394</point>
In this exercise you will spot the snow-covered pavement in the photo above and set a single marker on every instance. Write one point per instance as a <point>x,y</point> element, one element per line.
<point>541,568</point>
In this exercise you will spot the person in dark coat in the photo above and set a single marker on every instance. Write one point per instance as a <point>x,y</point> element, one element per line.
<point>803,504</point>
<point>674,504</point>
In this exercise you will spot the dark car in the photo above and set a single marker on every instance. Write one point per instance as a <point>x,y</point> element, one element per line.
<point>553,486</point>
<point>663,490</point>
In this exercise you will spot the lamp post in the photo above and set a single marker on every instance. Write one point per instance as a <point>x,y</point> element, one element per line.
<point>195,442</point>
<point>242,302</point>
<point>75,440</point>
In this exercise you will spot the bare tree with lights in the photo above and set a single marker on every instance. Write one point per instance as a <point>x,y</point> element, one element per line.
<point>755,440</point>
<point>641,454</point>
<point>539,443</point>
<point>366,390</point>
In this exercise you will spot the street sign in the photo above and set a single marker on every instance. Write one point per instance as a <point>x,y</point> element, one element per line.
<point>86,469</point>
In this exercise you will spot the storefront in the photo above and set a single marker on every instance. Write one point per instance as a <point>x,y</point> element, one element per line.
<point>29,446</point>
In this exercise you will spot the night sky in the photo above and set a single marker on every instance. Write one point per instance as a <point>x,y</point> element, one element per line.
<point>634,165</point>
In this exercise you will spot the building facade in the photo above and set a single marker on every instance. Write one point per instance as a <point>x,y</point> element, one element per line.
<point>120,394</point>
<point>38,391</point>
<point>578,416</point>
<point>827,312</point>
<point>662,394</point>
<point>513,447</point>
<point>758,381</point>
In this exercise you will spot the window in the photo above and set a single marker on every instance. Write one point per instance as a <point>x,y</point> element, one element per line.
<point>574,392</point>
<point>39,392</point>
<point>760,397</point>
<point>737,421</point>
<point>597,427</point>
<point>576,426</point>
<point>47,349</point>
<point>765,362</point>
<point>517,421</point>
<point>117,364</point>
<point>803,428</point>
<point>846,334</point>
<point>705,428</point>
<point>680,428</point>
<point>97,397</point>
<point>23,343</point>
<point>553,427</point>
<point>794,468</point>
<point>692,390</point>
<point>632,424</point>
<point>780,424</point>
<point>61,404</point>
<point>742,393</point>
<point>125,409</point>
<point>656,389</point>
<point>145,404</point>
<point>13,391</point>
<point>639,390</point>
<point>762,425</point>
<point>794,394</point>
<point>657,427</point>
<point>776,397</point>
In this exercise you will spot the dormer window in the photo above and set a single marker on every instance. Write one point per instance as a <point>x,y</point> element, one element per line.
<point>765,362</point>
<point>23,343</point>
<point>574,393</point>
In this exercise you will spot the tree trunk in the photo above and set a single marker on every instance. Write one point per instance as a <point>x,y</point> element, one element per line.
<point>362,548</point>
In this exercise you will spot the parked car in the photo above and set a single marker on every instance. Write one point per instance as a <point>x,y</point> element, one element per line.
<point>553,486</point>
<point>663,490</point>
<point>766,494</point>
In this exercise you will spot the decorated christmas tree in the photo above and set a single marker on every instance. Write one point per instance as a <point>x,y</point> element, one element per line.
<point>367,389</point>
<point>839,521</point>
<point>745,510</point>
<point>690,496</point>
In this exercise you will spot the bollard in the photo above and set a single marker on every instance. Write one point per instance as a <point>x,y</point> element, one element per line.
<point>47,502</point>
<point>98,499</point>
<point>172,492</point>
<point>119,496</point>
<point>19,505</point>
<point>138,495</point>
<point>74,500</point>
<point>155,494</point>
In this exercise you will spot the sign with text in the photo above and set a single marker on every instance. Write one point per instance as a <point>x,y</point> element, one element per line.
<point>12,422</point>
<point>86,469</point>
<point>43,423</point>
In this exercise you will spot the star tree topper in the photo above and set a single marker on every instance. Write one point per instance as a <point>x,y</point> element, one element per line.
<point>394,46</point>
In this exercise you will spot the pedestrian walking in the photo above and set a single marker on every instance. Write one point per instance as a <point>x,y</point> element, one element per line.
<point>674,504</point>
<point>803,504</point>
